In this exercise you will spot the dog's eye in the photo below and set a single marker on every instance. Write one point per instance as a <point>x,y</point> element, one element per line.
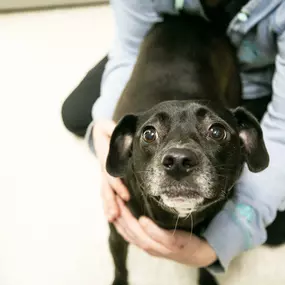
<point>149,135</point>
<point>217,132</point>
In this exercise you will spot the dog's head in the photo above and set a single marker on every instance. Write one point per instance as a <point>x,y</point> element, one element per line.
<point>187,154</point>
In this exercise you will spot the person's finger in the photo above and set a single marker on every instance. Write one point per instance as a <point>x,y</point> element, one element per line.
<point>127,236</point>
<point>178,242</point>
<point>120,221</point>
<point>122,231</point>
<point>119,187</point>
<point>166,238</point>
<point>141,239</point>
<point>110,205</point>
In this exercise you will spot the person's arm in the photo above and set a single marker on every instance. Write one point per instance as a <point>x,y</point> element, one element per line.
<point>242,224</point>
<point>133,19</point>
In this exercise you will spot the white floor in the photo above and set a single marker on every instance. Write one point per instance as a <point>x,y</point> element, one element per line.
<point>52,230</point>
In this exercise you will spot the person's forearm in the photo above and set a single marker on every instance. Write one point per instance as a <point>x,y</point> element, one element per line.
<point>114,80</point>
<point>132,21</point>
<point>241,225</point>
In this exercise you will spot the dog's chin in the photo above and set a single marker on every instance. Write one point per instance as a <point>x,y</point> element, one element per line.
<point>181,205</point>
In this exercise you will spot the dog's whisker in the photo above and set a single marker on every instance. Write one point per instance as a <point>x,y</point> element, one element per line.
<point>220,174</point>
<point>175,225</point>
<point>192,225</point>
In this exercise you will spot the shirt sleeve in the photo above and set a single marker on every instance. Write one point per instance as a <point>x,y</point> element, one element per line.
<point>241,225</point>
<point>133,19</point>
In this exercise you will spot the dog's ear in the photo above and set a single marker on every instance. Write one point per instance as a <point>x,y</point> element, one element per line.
<point>121,146</point>
<point>251,135</point>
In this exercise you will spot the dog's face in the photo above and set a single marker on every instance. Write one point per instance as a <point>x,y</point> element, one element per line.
<point>187,154</point>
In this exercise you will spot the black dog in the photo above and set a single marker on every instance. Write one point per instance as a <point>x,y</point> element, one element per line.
<point>178,147</point>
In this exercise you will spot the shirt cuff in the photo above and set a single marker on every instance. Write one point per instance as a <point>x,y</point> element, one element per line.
<point>228,234</point>
<point>89,137</point>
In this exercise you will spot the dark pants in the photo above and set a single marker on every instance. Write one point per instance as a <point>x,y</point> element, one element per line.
<point>76,110</point>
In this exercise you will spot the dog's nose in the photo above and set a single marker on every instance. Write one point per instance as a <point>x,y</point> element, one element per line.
<point>178,162</point>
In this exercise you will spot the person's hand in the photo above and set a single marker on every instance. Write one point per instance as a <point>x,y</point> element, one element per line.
<point>111,186</point>
<point>180,246</point>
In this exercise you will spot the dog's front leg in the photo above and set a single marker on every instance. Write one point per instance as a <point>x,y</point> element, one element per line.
<point>119,249</point>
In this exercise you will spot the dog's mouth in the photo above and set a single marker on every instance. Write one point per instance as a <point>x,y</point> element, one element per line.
<point>186,192</point>
<point>184,196</point>
<point>181,194</point>
<point>184,200</point>
<point>181,200</point>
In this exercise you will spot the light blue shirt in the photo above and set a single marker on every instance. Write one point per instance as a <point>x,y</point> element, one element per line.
<point>258,32</point>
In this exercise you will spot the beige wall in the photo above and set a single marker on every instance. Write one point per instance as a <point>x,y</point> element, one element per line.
<point>24,4</point>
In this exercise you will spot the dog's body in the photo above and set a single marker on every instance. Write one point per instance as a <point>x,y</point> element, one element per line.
<point>185,77</point>
<point>182,58</point>
<point>179,60</point>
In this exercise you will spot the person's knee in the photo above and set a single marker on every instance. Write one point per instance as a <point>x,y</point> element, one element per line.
<point>76,109</point>
<point>71,119</point>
